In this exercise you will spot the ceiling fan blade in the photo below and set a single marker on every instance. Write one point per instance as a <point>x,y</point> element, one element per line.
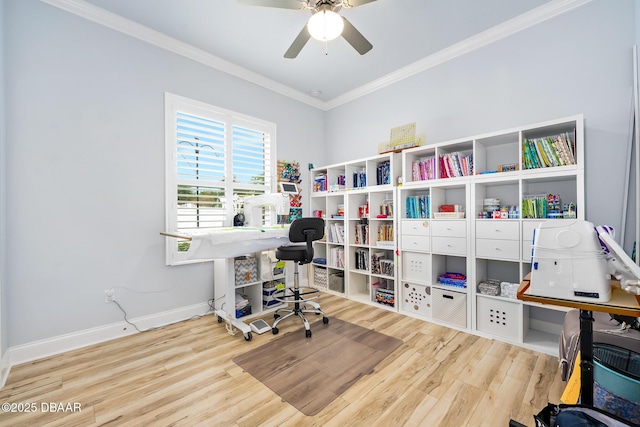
<point>282,4</point>
<point>298,43</point>
<point>354,3</point>
<point>355,38</point>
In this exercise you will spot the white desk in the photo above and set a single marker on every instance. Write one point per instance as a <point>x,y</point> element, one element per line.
<point>222,245</point>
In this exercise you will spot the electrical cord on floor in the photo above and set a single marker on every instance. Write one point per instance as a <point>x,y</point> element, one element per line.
<point>211,308</point>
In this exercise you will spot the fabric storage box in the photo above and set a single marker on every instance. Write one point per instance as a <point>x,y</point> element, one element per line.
<point>319,277</point>
<point>449,306</point>
<point>336,282</point>
<point>616,381</point>
<point>246,269</point>
<point>416,299</point>
<point>498,317</point>
<point>268,289</point>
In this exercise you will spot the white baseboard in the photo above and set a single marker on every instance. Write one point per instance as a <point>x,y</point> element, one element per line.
<point>5,368</point>
<point>51,346</point>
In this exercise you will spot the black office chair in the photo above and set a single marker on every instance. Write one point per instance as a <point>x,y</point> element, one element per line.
<point>302,230</point>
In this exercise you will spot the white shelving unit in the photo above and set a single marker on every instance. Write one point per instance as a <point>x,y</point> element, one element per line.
<point>357,200</point>
<point>477,246</point>
<point>468,175</point>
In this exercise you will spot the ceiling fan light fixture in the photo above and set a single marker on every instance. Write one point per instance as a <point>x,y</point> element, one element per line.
<point>325,25</point>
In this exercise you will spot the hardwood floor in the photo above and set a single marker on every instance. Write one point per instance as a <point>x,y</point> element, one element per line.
<point>183,374</point>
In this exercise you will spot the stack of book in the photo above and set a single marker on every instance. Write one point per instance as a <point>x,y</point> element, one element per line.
<point>456,164</point>
<point>423,169</point>
<point>418,206</point>
<point>361,234</point>
<point>550,151</point>
<point>383,173</point>
<point>361,259</point>
<point>337,257</point>
<point>336,233</point>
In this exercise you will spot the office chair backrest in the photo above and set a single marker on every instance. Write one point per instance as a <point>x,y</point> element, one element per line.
<point>307,230</point>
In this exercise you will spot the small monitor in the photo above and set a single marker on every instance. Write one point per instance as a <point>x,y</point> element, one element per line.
<point>288,187</point>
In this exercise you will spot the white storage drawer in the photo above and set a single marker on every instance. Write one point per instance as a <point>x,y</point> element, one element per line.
<point>419,227</point>
<point>449,306</point>
<point>416,267</point>
<point>415,243</point>
<point>449,228</point>
<point>498,317</point>
<point>501,249</point>
<point>416,299</point>
<point>497,229</point>
<point>449,245</point>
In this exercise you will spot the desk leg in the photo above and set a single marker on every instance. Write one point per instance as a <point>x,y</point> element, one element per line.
<point>586,357</point>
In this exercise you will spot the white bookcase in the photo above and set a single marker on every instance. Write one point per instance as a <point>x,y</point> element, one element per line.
<point>483,171</point>
<point>485,248</point>
<point>357,199</point>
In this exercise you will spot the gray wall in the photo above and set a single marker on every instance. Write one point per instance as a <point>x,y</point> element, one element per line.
<point>85,169</point>
<point>579,62</point>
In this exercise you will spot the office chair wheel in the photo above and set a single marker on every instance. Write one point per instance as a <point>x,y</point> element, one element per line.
<point>276,315</point>
<point>275,331</point>
<point>248,336</point>
<point>219,319</point>
<point>308,333</point>
<point>325,320</point>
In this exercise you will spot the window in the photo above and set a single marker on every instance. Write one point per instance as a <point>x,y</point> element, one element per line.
<point>214,158</point>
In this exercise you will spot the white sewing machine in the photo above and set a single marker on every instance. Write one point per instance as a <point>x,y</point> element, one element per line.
<point>279,202</point>
<point>572,260</point>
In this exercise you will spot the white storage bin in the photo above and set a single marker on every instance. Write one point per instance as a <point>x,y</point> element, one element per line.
<point>449,306</point>
<point>498,317</point>
<point>416,267</point>
<point>416,299</point>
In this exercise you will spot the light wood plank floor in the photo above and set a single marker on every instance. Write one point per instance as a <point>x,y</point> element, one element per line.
<point>183,374</point>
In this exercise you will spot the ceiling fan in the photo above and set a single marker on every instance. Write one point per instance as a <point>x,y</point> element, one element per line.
<point>325,23</point>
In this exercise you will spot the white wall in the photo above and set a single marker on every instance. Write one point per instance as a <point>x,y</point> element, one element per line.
<point>579,62</point>
<point>85,169</point>
<point>3,301</point>
<point>83,163</point>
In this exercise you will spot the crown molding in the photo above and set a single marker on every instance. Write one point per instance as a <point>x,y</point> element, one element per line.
<point>528,19</point>
<point>500,31</point>
<point>156,38</point>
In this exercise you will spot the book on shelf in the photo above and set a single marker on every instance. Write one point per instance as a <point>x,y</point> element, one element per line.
<point>549,151</point>
<point>383,173</point>
<point>360,179</point>
<point>336,233</point>
<point>423,169</point>
<point>362,259</point>
<point>456,164</point>
<point>361,234</point>
<point>418,206</point>
<point>336,257</point>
